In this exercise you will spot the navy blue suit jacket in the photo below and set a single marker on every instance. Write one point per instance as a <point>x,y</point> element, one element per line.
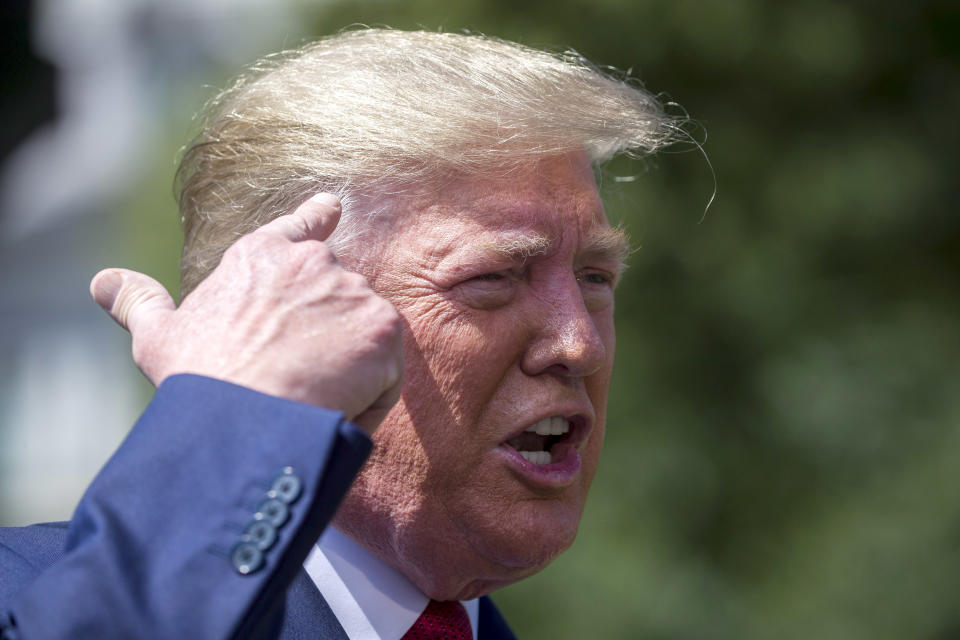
<point>148,553</point>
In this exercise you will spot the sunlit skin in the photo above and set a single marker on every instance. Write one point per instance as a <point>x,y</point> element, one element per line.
<point>506,287</point>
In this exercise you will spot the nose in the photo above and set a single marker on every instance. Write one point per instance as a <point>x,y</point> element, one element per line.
<point>565,340</point>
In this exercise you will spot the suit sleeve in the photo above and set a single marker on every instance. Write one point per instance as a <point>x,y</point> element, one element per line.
<point>199,521</point>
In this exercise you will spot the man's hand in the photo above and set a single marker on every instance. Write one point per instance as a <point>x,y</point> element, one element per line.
<point>278,315</point>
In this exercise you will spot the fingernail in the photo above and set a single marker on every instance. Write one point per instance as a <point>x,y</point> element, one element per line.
<point>105,287</point>
<point>326,198</point>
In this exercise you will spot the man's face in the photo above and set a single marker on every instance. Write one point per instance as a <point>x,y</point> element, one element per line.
<point>507,289</point>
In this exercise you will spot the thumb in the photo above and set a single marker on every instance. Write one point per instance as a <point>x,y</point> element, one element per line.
<point>315,219</point>
<point>132,299</point>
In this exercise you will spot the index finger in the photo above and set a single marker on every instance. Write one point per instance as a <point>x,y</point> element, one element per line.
<point>315,219</point>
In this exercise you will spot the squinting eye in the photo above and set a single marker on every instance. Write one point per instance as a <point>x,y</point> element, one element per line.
<point>595,278</point>
<point>487,290</point>
<point>489,277</point>
<point>597,289</point>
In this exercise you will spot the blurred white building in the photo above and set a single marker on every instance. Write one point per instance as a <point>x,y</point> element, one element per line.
<point>68,390</point>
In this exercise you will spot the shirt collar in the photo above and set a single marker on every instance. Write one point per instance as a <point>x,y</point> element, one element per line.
<point>371,599</point>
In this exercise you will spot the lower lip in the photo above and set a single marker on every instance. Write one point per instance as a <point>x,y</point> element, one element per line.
<point>560,473</point>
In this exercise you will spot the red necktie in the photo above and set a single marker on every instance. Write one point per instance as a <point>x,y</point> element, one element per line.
<point>441,621</point>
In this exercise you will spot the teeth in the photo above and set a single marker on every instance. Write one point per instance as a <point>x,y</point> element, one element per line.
<point>552,426</point>
<point>536,457</point>
<point>559,426</point>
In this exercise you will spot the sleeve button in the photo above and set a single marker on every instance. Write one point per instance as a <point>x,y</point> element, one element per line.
<point>246,558</point>
<point>286,487</point>
<point>273,511</point>
<point>260,533</point>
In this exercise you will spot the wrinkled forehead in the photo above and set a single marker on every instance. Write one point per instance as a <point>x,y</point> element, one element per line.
<point>560,188</point>
<point>525,208</point>
<point>547,206</point>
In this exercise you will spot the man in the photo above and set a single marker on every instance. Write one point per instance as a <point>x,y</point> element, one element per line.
<point>451,177</point>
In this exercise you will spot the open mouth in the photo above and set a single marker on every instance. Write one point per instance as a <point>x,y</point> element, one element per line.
<point>544,441</point>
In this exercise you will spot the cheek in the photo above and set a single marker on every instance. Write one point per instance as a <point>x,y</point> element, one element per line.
<point>590,454</point>
<point>598,388</point>
<point>454,363</point>
<point>435,362</point>
<point>598,384</point>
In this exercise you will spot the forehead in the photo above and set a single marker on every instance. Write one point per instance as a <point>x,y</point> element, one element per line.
<point>551,201</point>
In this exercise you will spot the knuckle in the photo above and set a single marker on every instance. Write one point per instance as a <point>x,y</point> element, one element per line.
<point>246,242</point>
<point>319,250</point>
<point>390,318</point>
<point>312,259</point>
<point>295,256</point>
<point>391,315</point>
<point>356,281</point>
<point>393,372</point>
<point>243,246</point>
<point>382,320</point>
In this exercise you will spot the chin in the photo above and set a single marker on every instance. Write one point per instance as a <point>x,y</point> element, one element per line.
<point>528,538</point>
<point>477,555</point>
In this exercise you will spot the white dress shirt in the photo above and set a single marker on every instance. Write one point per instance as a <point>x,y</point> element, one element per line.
<point>372,601</point>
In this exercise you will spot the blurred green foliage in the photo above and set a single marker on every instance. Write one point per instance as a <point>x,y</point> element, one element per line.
<point>784,432</point>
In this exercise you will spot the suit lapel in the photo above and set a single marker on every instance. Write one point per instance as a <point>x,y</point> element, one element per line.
<point>490,624</point>
<point>307,616</point>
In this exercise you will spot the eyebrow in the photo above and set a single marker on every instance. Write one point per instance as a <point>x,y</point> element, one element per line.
<point>610,244</point>
<point>518,248</point>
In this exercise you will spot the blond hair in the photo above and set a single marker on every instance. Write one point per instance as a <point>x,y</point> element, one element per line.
<point>380,111</point>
